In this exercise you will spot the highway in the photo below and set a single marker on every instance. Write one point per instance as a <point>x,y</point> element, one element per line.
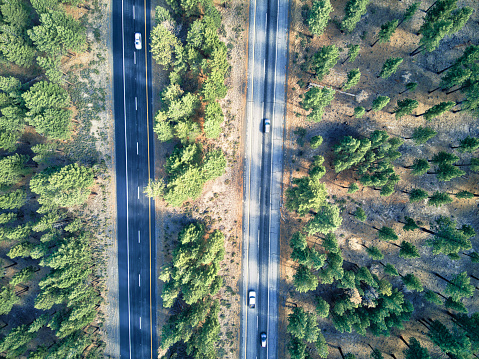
<point>134,166</point>
<point>267,61</point>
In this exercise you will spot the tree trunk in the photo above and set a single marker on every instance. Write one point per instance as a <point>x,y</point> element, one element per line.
<point>437,88</point>
<point>460,88</point>
<point>403,91</point>
<point>447,68</point>
<point>347,58</point>
<point>429,8</point>
<point>420,114</point>
<point>440,276</point>
<point>417,51</point>
<point>404,341</point>
<point>375,42</point>
<point>341,352</point>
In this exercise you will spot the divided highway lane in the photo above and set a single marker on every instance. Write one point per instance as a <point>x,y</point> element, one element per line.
<point>134,167</point>
<point>267,61</point>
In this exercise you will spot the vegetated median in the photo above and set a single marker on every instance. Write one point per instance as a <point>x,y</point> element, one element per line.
<point>53,183</point>
<point>197,188</point>
<point>380,238</point>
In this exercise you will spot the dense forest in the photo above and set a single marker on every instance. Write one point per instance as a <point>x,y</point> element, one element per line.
<point>355,284</point>
<point>51,259</point>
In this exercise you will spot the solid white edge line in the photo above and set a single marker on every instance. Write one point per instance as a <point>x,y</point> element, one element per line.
<point>272,160</point>
<point>138,192</point>
<point>134,57</point>
<point>248,134</point>
<point>139,240</point>
<point>139,280</point>
<point>133,12</point>
<point>126,178</point>
<point>136,103</point>
<point>140,323</point>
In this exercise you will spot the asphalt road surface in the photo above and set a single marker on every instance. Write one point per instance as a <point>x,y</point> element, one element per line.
<point>267,60</point>
<point>134,167</point>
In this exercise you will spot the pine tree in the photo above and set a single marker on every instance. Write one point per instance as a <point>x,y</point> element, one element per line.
<point>324,60</point>
<point>316,99</point>
<point>352,14</point>
<point>387,234</point>
<point>412,282</point>
<point>470,325</point>
<point>470,55</point>
<point>455,343</point>
<point>326,220</point>
<point>7,299</point>
<point>446,172</point>
<point>307,193</point>
<point>58,33</point>
<point>415,351</point>
<point>353,187</point>
<point>359,111</point>
<point>410,11</point>
<point>432,297</point>
<point>304,280</point>
<point>322,346</point>
<point>389,269</point>
<point>439,198</point>
<point>410,86</point>
<point>408,251</point>
<point>417,194</point>
<point>423,134</point>
<point>376,354</point>
<point>353,79</point>
<point>374,253</point>
<point>447,239</point>
<point>459,18</point>
<point>405,107</point>
<point>319,16</point>
<point>468,144</point>
<point>353,52</point>
<point>63,186</point>
<point>410,224</point>
<point>13,200</point>
<point>316,141</point>
<point>297,322</point>
<point>437,110</point>
<point>459,287</point>
<point>12,168</point>
<point>387,30</point>
<point>390,67</point>
<point>359,214</point>
<point>380,102</point>
<point>457,306</point>
<point>322,307</point>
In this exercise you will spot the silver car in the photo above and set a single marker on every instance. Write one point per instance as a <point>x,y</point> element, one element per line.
<point>137,41</point>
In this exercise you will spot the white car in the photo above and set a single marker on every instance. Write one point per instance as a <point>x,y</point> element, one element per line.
<point>252,298</point>
<point>267,125</point>
<point>263,340</point>
<point>137,41</point>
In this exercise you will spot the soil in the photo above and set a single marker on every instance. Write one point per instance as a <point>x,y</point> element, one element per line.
<point>220,205</point>
<point>337,122</point>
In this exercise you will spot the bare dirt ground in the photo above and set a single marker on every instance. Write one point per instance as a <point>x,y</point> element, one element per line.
<point>380,211</point>
<point>220,205</point>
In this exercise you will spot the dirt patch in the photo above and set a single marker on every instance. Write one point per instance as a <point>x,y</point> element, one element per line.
<point>220,205</point>
<point>337,122</point>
